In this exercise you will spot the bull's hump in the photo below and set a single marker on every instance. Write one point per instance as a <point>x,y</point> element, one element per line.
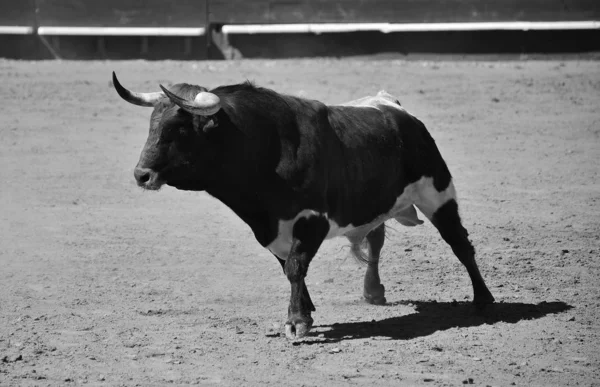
<point>383,98</point>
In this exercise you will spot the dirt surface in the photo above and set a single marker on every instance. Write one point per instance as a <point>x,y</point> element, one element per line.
<point>105,284</point>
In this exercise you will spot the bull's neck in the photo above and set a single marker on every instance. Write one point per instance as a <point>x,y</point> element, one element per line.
<point>249,205</point>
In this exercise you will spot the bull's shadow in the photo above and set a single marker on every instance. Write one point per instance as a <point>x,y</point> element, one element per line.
<point>431,317</point>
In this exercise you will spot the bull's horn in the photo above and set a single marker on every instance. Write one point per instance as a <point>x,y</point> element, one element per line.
<point>141,99</point>
<point>205,103</point>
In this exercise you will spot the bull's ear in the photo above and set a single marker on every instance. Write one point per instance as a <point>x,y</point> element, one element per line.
<point>206,124</point>
<point>210,125</point>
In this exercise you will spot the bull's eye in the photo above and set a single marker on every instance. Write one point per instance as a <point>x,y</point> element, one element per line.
<point>186,138</point>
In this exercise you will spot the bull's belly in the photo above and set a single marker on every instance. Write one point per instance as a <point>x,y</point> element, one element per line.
<point>421,193</point>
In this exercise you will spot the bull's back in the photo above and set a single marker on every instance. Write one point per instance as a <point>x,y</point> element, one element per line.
<point>378,134</point>
<point>384,150</point>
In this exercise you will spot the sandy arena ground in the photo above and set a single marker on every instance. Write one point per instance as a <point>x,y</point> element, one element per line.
<point>105,284</point>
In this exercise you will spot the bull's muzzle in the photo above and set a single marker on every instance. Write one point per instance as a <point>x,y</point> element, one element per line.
<point>147,178</point>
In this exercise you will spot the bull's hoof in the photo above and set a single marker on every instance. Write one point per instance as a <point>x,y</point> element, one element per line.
<point>374,300</point>
<point>482,300</point>
<point>375,297</point>
<point>297,328</point>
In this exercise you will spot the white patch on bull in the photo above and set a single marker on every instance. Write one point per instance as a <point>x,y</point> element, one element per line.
<point>421,193</point>
<point>283,242</point>
<point>382,98</point>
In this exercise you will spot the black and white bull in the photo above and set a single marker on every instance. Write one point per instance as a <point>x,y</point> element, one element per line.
<point>298,172</point>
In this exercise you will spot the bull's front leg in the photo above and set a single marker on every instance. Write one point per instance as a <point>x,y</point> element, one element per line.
<point>307,236</point>
<point>305,295</point>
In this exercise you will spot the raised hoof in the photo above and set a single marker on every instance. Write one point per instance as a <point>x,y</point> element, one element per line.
<point>298,329</point>
<point>375,298</point>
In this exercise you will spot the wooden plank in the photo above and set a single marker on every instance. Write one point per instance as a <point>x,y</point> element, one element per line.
<point>400,11</point>
<point>121,31</point>
<point>17,13</point>
<point>16,30</point>
<point>321,28</point>
<point>121,13</point>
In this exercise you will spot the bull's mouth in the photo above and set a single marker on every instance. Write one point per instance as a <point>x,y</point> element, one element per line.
<point>152,180</point>
<point>152,185</point>
<point>187,185</point>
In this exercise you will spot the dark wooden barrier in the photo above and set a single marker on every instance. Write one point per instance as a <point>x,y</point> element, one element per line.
<point>400,11</point>
<point>17,13</point>
<point>192,13</point>
<point>119,26</point>
<point>121,13</point>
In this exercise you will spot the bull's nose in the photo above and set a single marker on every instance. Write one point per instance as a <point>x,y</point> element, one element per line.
<point>142,175</point>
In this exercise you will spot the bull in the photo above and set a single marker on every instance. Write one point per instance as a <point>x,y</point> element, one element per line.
<point>297,172</point>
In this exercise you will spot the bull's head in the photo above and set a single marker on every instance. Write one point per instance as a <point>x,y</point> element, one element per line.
<point>180,150</point>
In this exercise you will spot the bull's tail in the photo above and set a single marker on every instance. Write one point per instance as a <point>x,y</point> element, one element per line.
<point>360,252</point>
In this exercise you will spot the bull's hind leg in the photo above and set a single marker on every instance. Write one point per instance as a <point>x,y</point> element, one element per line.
<point>447,220</point>
<point>442,209</point>
<point>374,292</point>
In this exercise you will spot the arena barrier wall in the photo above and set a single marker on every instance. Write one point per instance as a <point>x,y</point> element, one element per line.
<point>197,29</point>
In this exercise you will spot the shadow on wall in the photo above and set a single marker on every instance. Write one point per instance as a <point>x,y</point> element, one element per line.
<point>431,317</point>
<point>305,45</point>
<point>110,47</point>
<point>451,42</point>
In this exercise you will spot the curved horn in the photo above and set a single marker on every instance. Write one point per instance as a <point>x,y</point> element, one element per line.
<point>205,103</point>
<point>141,99</point>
